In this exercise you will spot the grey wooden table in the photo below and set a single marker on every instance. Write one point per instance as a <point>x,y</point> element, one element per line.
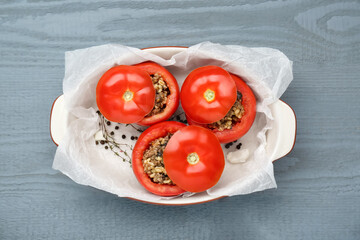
<point>318,195</point>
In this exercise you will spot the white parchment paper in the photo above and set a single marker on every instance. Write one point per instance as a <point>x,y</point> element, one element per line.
<point>267,71</point>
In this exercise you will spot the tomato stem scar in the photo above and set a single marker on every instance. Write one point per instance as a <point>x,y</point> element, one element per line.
<point>209,95</point>
<point>193,158</point>
<point>128,95</point>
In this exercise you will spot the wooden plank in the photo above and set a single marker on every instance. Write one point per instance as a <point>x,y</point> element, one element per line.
<point>318,193</point>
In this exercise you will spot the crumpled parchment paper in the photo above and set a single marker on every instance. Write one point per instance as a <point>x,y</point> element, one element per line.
<point>267,71</point>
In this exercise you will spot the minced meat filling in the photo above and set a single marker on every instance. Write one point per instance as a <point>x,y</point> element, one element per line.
<point>162,92</point>
<point>231,118</point>
<point>153,162</point>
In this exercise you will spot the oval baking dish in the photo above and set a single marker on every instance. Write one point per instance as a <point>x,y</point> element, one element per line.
<point>280,139</point>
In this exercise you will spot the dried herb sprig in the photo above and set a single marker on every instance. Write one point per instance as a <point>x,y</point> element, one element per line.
<point>117,148</point>
<point>178,117</point>
<point>137,129</point>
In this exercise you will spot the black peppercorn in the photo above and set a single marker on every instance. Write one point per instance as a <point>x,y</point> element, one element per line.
<point>238,146</point>
<point>123,136</point>
<point>117,127</point>
<point>102,142</point>
<point>239,95</point>
<point>111,133</point>
<point>132,138</point>
<point>97,142</point>
<point>108,123</point>
<point>106,147</point>
<point>227,145</point>
<point>98,112</point>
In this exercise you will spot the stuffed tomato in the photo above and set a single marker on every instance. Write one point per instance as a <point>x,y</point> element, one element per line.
<point>239,119</point>
<point>147,159</point>
<point>194,159</point>
<point>207,94</point>
<point>125,94</point>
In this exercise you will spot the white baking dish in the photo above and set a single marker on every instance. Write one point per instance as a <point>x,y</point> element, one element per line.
<point>280,139</point>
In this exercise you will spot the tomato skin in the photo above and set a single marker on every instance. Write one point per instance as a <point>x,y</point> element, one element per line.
<point>245,123</point>
<point>172,102</point>
<point>149,135</point>
<point>111,91</point>
<point>193,91</point>
<point>207,171</point>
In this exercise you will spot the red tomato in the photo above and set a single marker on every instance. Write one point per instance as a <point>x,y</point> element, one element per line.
<point>125,94</point>
<point>193,159</point>
<point>172,101</point>
<point>242,127</point>
<point>207,94</point>
<point>152,133</point>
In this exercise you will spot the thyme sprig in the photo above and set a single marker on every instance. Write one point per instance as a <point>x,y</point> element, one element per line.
<point>118,149</point>
<point>178,117</point>
<point>137,129</point>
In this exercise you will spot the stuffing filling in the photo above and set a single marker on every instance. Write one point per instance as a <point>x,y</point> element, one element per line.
<point>231,118</point>
<point>162,92</point>
<point>153,162</point>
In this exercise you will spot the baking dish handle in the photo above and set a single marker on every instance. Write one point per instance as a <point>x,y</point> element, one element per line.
<point>281,138</point>
<point>58,120</point>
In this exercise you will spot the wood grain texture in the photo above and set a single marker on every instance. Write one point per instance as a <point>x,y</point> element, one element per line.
<point>318,195</point>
